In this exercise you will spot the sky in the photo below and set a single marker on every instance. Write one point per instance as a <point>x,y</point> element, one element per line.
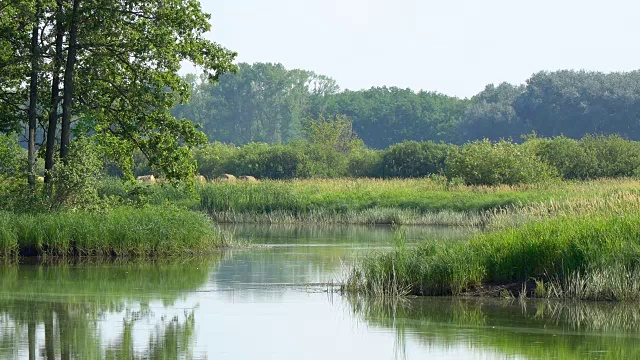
<point>455,47</point>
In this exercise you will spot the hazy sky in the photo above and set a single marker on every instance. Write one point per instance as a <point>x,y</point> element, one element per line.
<point>454,47</point>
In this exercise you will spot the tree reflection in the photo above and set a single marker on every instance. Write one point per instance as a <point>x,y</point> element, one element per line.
<point>73,311</point>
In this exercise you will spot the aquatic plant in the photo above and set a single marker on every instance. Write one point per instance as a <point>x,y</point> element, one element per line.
<point>121,231</point>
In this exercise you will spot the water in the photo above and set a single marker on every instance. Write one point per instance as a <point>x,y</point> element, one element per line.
<point>272,302</point>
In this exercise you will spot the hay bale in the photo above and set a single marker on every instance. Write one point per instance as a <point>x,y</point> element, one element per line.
<point>200,179</point>
<point>226,177</point>
<point>250,179</point>
<point>146,179</point>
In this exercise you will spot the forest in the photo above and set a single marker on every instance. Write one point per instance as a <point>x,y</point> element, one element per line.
<point>268,103</point>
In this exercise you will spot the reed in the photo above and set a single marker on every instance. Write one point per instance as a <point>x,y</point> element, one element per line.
<point>401,201</point>
<point>119,232</point>
<point>592,256</point>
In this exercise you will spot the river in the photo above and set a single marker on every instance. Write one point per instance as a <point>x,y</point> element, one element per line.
<point>275,301</point>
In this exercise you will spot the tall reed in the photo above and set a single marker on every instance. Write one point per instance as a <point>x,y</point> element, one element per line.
<point>587,257</point>
<point>124,231</point>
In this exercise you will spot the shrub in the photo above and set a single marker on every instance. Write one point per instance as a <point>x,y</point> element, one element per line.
<point>414,159</point>
<point>486,163</point>
<point>269,161</point>
<point>614,156</point>
<point>589,158</point>
<point>566,155</point>
<point>365,163</point>
<point>13,159</point>
<point>215,159</point>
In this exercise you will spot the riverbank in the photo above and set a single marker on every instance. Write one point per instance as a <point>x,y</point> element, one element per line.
<point>428,201</point>
<point>115,232</point>
<point>585,252</point>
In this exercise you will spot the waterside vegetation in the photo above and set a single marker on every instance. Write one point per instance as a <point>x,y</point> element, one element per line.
<point>117,232</point>
<point>585,250</point>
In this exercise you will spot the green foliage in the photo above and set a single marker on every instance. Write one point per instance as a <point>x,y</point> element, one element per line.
<point>414,159</point>
<point>568,156</point>
<point>589,158</point>
<point>269,161</point>
<point>12,158</point>
<point>75,180</point>
<point>614,156</point>
<point>119,61</point>
<point>260,103</point>
<point>366,163</point>
<point>487,163</point>
<point>557,250</point>
<point>267,103</point>
<point>215,159</point>
<point>151,231</point>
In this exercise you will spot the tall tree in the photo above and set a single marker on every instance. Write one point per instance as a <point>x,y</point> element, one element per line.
<point>33,91</point>
<point>118,62</point>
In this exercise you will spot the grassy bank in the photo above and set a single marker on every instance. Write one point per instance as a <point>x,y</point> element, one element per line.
<point>121,231</point>
<point>408,201</point>
<point>594,256</point>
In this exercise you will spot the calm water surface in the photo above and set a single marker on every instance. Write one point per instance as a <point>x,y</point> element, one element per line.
<point>272,302</point>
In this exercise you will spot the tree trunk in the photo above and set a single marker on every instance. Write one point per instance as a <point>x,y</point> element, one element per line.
<point>65,332</point>
<point>33,95</point>
<point>49,340</point>
<point>67,100</point>
<point>31,330</point>
<point>55,95</point>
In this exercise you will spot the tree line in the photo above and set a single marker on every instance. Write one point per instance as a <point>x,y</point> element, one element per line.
<point>268,103</point>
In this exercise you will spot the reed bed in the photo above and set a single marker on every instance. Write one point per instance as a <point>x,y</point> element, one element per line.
<point>372,216</point>
<point>118,232</point>
<point>428,201</point>
<point>594,256</point>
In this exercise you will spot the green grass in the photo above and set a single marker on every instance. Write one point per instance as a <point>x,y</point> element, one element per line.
<point>369,201</point>
<point>594,256</point>
<point>120,232</point>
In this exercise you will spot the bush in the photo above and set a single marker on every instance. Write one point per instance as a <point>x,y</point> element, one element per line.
<point>486,163</point>
<point>324,162</point>
<point>566,155</point>
<point>269,161</point>
<point>215,159</point>
<point>614,156</point>
<point>365,163</point>
<point>414,159</point>
<point>13,159</point>
<point>590,158</point>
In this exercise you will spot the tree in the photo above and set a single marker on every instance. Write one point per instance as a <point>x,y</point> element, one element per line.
<point>262,102</point>
<point>492,116</point>
<point>14,66</point>
<point>117,62</point>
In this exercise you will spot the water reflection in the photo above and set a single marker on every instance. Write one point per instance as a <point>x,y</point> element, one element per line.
<point>353,235</point>
<point>270,301</point>
<point>532,329</point>
<point>98,310</point>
